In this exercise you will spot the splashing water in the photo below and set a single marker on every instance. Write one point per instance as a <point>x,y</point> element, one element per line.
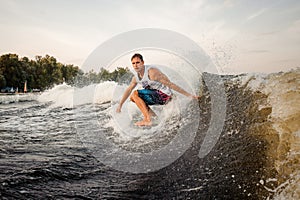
<point>45,151</point>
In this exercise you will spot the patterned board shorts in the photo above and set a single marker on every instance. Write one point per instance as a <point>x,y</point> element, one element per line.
<point>153,97</point>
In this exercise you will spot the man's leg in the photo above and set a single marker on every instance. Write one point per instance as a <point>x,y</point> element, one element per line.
<point>151,112</point>
<point>143,108</point>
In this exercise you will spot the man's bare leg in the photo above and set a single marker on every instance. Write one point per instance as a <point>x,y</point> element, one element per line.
<point>151,112</point>
<point>143,108</point>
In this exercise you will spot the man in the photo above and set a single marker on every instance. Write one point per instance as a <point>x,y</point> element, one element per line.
<point>156,89</point>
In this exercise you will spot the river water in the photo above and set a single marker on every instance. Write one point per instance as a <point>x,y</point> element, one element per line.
<point>52,146</point>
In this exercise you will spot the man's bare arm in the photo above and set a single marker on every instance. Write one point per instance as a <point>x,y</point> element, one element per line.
<point>126,94</point>
<point>156,75</point>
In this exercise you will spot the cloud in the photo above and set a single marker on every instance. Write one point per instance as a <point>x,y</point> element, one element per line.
<point>257,14</point>
<point>269,33</point>
<point>295,27</point>
<point>72,30</point>
<point>257,51</point>
<point>229,3</point>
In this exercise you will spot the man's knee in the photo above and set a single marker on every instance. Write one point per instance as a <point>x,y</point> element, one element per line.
<point>134,95</point>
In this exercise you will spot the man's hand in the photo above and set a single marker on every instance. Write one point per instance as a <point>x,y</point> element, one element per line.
<point>118,110</point>
<point>195,97</point>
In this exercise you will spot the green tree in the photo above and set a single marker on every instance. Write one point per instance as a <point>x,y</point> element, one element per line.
<point>11,69</point>
<point>45,72</point>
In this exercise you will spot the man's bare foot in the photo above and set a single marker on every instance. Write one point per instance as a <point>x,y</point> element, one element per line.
<point>143,123</point>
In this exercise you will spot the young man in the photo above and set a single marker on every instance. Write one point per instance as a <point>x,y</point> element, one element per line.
<point>156,89</point>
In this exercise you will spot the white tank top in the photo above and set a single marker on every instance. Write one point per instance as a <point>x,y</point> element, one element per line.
<point>146,83</point>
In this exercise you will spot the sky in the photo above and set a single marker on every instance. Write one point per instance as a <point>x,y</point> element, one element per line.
<point>238,35</point>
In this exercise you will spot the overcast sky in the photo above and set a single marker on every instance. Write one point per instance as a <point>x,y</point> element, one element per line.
<point>239,35</point>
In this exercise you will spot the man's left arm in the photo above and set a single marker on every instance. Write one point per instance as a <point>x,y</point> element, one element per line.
<point>156,75</point>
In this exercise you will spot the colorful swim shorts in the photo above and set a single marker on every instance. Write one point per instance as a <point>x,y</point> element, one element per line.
<point>153,97</point>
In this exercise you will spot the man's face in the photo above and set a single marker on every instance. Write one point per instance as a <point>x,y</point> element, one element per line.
<point>137,64</point>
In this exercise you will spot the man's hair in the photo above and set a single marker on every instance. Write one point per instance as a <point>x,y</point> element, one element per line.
<point>137,55</point>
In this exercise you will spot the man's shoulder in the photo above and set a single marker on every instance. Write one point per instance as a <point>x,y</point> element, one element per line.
<point>153,71</point>
<point>152,68</point>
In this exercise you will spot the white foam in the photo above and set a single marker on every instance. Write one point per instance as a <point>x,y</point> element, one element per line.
<point>13,98</point>
<point>254,81</point>
<point>67,96</point>
<point>122,122</point>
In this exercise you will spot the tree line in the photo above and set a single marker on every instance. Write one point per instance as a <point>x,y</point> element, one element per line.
<point>45,72</point>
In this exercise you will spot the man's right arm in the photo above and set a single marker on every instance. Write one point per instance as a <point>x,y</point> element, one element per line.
<point>126,94</point>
